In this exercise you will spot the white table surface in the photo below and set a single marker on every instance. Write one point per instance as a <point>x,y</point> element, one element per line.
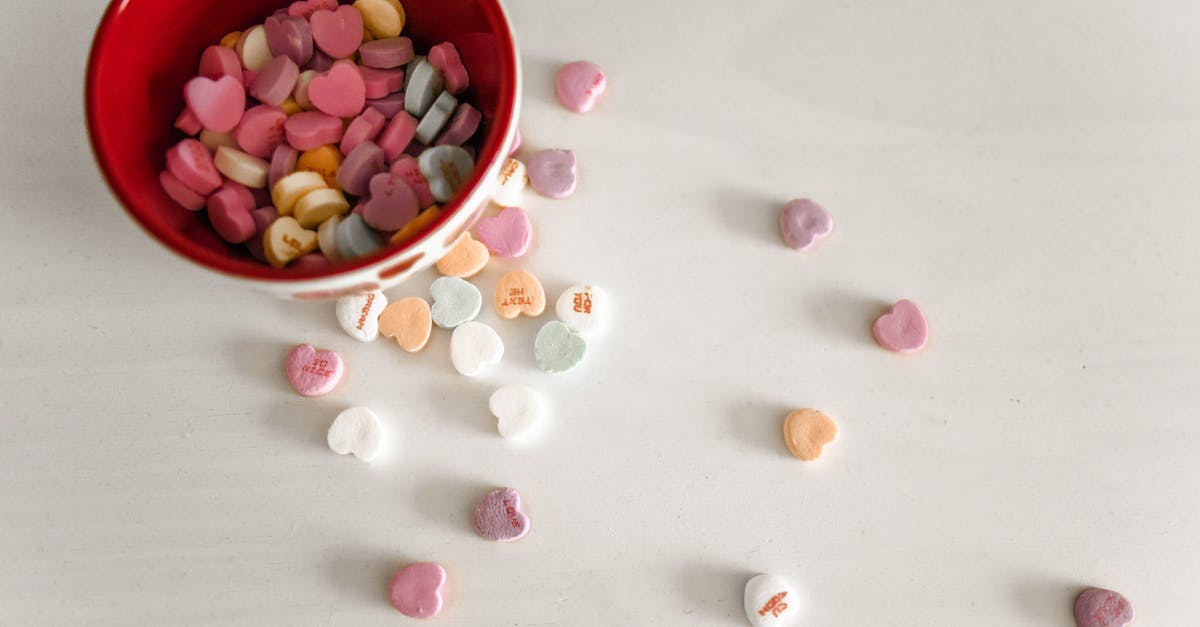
<point>1027,171</point>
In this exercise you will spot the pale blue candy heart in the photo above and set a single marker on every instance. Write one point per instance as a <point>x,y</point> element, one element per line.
<point>424,86</point>
<point>355,238</point>
<point>455,301</point>
<point>446,168</point>
<point>557,348</point>
<point>436,118</point>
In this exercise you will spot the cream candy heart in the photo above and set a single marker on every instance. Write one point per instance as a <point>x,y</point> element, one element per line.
<point>518,411</point>
<point>582,307</point>
<point>356,430</point>
<point>512,180</point>
<point>474,345</point>
<point>770,601</point>
<point>359,315</point>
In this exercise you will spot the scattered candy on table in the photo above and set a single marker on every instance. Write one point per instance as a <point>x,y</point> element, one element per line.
<point>518,410</point>
<point>312,372</point>
<point>553,173</point>
<point>807,431</point>
<point>519,293</point>
<point>359,315</point>
<point>466,258</point>
<point>507,234</point>
<point>416,589</point>
<point>358,431</point>
<point>803,222</point>
<point>580,85</point>
<point>409,322</point>
<point>498,516</point>
<point>455,301</point>
<point>582,307</point>
<point>903,329</point>
<point>1097,607</point>
<point>558,349</point>
<point>474,346</point>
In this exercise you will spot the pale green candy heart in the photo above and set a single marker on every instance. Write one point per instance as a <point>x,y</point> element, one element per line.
<point>455,301</point>
<point>557,348</point>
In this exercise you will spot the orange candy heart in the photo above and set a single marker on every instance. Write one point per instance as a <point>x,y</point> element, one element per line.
<point>807,431</point>
<point>409,322</point>
<point>519,292</point>
<point>465,259</point>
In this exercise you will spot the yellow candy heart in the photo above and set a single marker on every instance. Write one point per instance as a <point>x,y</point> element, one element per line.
<point>519,292</point>
<point>465,258</point>
<point>383,19</point>
<point>409,322</point>
<point>286,240</point>
<point>319,205</point>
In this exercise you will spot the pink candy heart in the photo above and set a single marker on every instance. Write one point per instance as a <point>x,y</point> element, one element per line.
<point>506,234</point>
<point>305,8</point>
<point>392,203</point>
<point>1097,607</point>
<point>218,104</point>
<point>312,372</point>
<point>340,92</point>
<point>416,590</point>
<point>338,33</point>
<point>552,173</point>
<point>499,517</point>
<point>903,329</point>
<point>579,86</point>
<point>803,222</point>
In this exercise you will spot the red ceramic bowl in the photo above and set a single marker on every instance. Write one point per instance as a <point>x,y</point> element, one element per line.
<point>144,52</point>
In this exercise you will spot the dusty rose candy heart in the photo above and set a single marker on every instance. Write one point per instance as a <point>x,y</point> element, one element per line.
<point>392,204</point>
<point>416,590</point>
<point>507,234</point>
<point>337,33</point>
<point>291,36</point>
<point>340,92</point>
<point>305,8</point>
<point>802,222</point>
<point>218,104</point>
<point>499,517</point>
<point>1097,607</point>
<point>312,372</point>
<point>903,329</point>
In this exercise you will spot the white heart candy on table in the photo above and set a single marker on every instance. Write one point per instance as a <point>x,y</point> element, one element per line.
<point>771,601</point>
<point>359,315</point>
<point>518,411</point>
<point>356,430</point>
<point>583,308</point>
<point>474,345</point>
<point>455,301</point>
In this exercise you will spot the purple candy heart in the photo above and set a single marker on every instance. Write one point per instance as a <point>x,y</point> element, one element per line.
<point>386,53</point>
<point>290,36</point>
<point>392,204</point>
<point>803,222</point>
<point>363,163</point>
<point>552,173</point>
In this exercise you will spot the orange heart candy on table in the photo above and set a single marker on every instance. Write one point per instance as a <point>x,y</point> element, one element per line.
<point>286,240</point>
<point>465,258</point>
<point>409,322</point>
<point>807,431</point>
<point>519,292</point>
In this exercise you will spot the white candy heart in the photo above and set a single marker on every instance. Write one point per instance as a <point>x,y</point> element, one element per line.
<point>518,411</point>
<point>770,601</point>
<point>356,430</point>
<point>455,301</point>
<point>512,180</point>
<point>359,315</point>
<point>583,308</point>
<point>474,345</point>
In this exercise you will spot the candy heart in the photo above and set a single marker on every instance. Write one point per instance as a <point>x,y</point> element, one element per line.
<point>260,133</point>
<point>499,517</point>
<point>807,431</point>
<point>512,180</point>
<point>557,348</point>
<point>408,321</point>
<point>583,308</point>
<point>454,302</point>
<point>408,169</point>
<point>769,600</point>
<point>392,203</point>
<point>305,8</point>
<point>474,345</point>
<point>290,36</point>
<point>446,168</point>
<point>465,259</point>
<point>192,164</point>
<point>423,84</point>
<point>519,292</point>
<point>359,315</point>
<point>518,411</point>
<point>312,372</point>
<point>506,234</point>
<point>218,104</point>
<point>356,239</point>
<point>802,222</point>
<point>337,33</point>
<point>579,86</point>
<point>552,173</point>
<point>340,92</point>
<point>902,329</point>
<point>356,430</point>
<point>286,240</point>
<point>416,590</point>
<point>446,59</point>
<point>276,81</point>
<point>1097,607</point>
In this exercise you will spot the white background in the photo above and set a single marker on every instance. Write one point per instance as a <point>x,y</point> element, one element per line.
<point>1027,171</point>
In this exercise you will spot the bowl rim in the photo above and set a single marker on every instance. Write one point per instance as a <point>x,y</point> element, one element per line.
<point>499,139</point>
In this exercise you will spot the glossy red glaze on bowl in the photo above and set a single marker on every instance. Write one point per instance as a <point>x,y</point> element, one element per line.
<point>144,52</point>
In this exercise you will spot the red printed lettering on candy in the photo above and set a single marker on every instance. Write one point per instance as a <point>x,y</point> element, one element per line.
<point>775,606</point>
<point>583,302</point>
<point>362,318</point>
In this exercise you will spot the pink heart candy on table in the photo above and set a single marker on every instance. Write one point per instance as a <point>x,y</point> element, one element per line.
<point>802,222</point>
<point>312,372</point>
<point>392,203</point>
<point>416,590</point>
<point>506,234</point>
<point>218,104</point>
<point>903,329</point>
<point>499,517</point>
<point>340,92</point>
<point>339,32</point>
<point>1097,607</point>
<point>552,173</point>
<point>579,86</point>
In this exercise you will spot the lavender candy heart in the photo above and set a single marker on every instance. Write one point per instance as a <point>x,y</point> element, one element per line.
<point>275,82</point>
<point>392,204</point>
<point>461,127</point>
<point>365,161</point>
<point>291,36</point>
<point>386,54</point>
<point>355,238</point>
<point>802,222</point>
<point>552,173</point>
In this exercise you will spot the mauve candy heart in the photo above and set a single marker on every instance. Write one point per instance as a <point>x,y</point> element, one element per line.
<point>1097,607</point>
<point>275,82</point>
<point>320,62</point>
<point>218,104</point>
<point>390,105</point>
<point>312,129</point>
<point>283,163</point>
<point>392,203</point>
<point>365,127</point>
<point>461,126</point>
<point>389,53</point>
<point>290,36</point>
<point>903,329</point>
<point>407,168</point>
<point>507,234</point>
<point>339,92</point>
<point>552,173</point>
<point>499,517</point>
<point>359,167</point>
<point>261,130</point>
<point>338,33</point>
<point>802,222</point>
